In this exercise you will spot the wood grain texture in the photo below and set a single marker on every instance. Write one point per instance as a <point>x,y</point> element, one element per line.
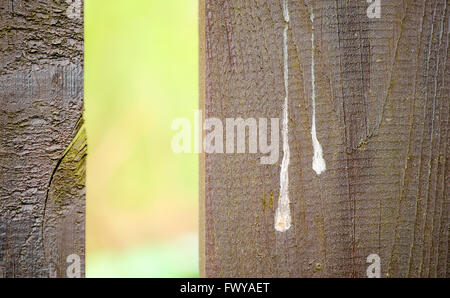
<point>42,139</point>
<point>382,108</point>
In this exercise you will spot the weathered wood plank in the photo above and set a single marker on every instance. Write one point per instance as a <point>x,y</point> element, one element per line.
<point>42,139</point>
<point>380,95</point>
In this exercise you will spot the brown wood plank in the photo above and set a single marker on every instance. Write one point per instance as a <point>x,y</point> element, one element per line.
<point>42,139</point>
<point>381,94</point>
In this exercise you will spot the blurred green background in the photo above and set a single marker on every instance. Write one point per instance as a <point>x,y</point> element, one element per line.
<point>141,73</point>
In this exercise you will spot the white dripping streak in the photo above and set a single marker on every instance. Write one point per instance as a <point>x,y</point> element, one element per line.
<point>318,163</point>
<point>283,214</point>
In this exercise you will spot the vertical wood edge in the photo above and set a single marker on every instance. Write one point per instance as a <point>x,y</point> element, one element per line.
<point>202,95</point>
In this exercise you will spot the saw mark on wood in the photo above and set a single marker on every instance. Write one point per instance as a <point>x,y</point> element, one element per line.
<point>228,29</point>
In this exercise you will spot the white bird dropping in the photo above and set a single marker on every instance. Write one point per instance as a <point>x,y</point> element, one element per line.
<point>318,163</point>
<point>283,213</point>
